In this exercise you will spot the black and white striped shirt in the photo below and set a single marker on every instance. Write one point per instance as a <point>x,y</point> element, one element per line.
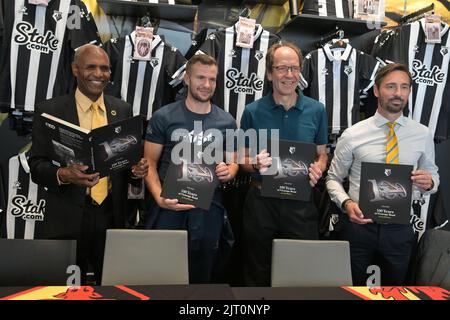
<point>39,44</point>
<point>146,85</point>
<point>241,70</point>
<point>429,102</point>
<point>337,77</point>
<point>25,205</point>
<point>327,8</point>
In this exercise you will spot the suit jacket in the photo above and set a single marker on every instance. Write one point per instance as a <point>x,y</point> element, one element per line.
<point>65,203</point>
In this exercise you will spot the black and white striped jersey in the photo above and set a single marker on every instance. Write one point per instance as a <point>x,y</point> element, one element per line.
<point>338,77</point>
<point>25,201</point>
<point>146,85</point>
<point>40,43</point>
<point>241,70</point>
<point>327,8</point>
<point>429,102</point>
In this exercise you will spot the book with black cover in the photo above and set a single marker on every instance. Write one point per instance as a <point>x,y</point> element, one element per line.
<point>289,172</point>
<point>106,149</point>
<point>191,183</point>
<point>385,192</point>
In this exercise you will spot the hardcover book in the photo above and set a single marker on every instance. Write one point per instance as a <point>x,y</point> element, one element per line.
<point>191,183</point>
<point>106,149</point>
<point>288,176</point>
<point>385,192</point>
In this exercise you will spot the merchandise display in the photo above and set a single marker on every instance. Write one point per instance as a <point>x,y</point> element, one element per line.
<point>146,85</point>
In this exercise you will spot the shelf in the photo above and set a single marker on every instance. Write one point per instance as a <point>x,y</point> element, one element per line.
<point>328,24</point>
<point>306,29</point>
<point>155,10</point>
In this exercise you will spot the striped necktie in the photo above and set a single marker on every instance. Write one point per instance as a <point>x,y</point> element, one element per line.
<point>391,145</point>
<point>100,190</point>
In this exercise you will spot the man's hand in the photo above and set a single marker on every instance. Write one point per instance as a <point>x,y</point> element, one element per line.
<point>355,214</point>
<point>422,179</point>
<point>140,169</point>
<point>172,204</point>
<point>223,172</point>
<point>75,174</point>
<point>314,173</point>
<point>263,161</point>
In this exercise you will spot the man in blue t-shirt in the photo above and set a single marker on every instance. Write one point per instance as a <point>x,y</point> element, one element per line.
<point>206,228</point>
<point>297,118</point>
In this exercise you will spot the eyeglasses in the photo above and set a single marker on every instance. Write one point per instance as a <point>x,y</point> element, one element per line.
<point>285,69</point>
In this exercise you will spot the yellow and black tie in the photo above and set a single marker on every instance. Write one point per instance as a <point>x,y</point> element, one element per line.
<point>391,145</point>
<point>100,190</point>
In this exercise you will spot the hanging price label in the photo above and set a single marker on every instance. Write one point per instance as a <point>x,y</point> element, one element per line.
<point>39,2</point>
<point>432,28</point>
<point>143,43</point>
<point>245,32</point>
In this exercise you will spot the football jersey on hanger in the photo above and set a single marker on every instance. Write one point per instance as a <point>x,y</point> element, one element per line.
<point>25,201</point>
<point>39,44</point>
<point>327,8</point>
<point>146,85</point>
<point>338,77</point>
<point>241,70</point>
<point>429,101</point>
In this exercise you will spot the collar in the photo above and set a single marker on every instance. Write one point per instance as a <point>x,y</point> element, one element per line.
<point>443,25</point>
<point>381,121</point>
<point>155,42</point>
<point>329,52</point>
<point>259,29</point>
<point>298,105</point>
<point>85,103</point>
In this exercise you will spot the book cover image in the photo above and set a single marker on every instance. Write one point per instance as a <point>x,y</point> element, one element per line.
<point>107,149</point>
<point>290,171</point>
<point>191,183</point>
<point>385,192</point>
<point>118,146</point>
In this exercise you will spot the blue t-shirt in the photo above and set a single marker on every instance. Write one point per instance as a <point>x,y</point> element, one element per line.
<point>177,116</point>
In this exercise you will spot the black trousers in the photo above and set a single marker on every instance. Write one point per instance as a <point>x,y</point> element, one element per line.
<point>91,247</point>
<point>387,246</point>
<point>266,219</point>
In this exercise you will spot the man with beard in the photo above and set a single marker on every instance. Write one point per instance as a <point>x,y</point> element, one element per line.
<point>386,137</point>
<point>205,227</point>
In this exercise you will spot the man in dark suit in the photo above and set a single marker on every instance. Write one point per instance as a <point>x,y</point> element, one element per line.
<point>71,207</point>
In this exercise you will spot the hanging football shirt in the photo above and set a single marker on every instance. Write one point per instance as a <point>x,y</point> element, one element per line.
<point>40,43</point>
<point>241,70</point>
<point>146,85</point>
<point>338,77</point>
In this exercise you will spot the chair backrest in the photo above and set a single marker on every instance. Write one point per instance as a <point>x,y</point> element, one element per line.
<point>309,263</point>
<point>145,257</point>
<point>35,262</point>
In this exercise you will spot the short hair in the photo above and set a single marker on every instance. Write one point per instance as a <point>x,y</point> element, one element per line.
<point>391,67</point>
<point>201,58</point>
<point>281,44</point>
<point>80,50</point>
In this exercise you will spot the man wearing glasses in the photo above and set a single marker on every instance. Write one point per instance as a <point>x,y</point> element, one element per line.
<point>298,118</point>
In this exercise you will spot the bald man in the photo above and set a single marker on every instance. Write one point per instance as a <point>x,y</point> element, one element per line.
<point>71,212</point>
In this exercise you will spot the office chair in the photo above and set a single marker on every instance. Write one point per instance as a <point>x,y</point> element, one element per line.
<point>35,262</point>
<point>145,257</point>
<point>308,263</point>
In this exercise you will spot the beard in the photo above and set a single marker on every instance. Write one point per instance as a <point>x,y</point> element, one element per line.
<point>199,98</point>
<point>390,107</point>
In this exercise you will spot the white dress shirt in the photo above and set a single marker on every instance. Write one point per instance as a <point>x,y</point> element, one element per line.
<point>366,142</point>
